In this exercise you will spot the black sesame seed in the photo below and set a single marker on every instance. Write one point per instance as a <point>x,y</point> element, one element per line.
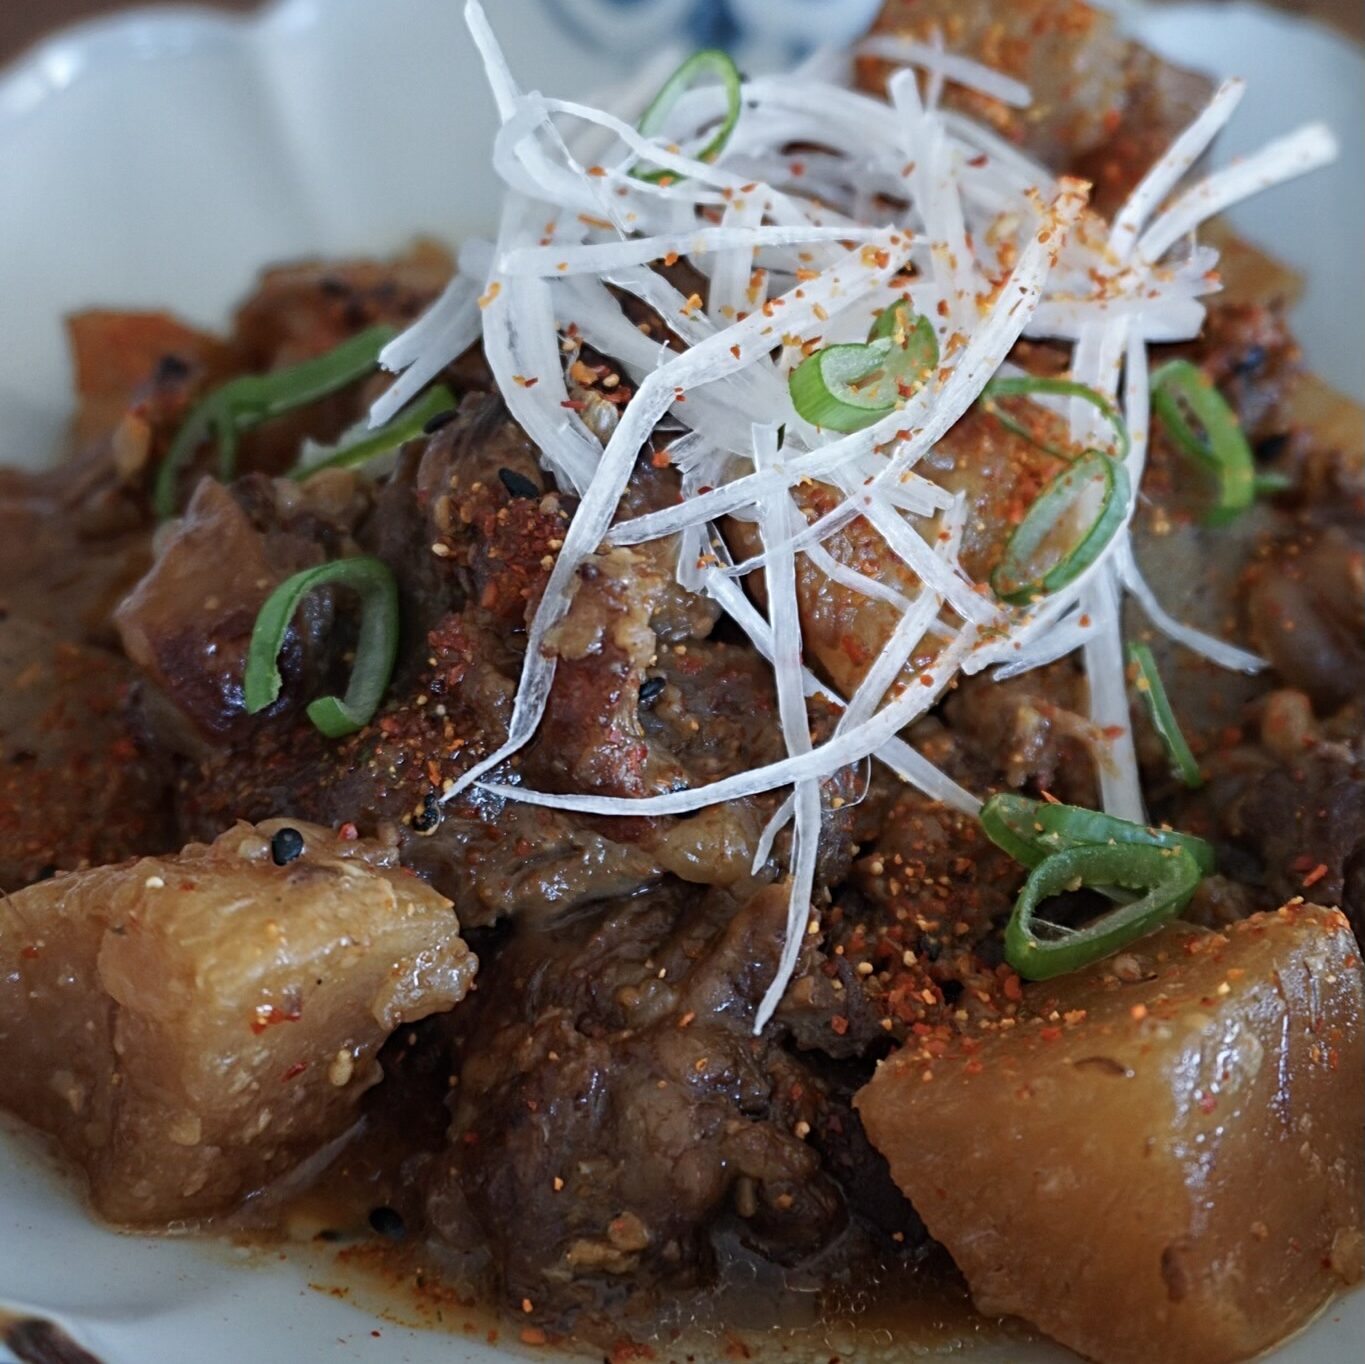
<point>1272,447</point>
<point>518,485</point>
<point>430,817</point>
<point>170,369</point>
<point>650,689</point>
<point>285,846</point>
<point>388,1222</point>
<point>434,424</point>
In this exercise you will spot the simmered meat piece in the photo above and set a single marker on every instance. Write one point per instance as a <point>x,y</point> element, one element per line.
<point>73,540</point>
<point>188,622</point>
<point>136,374</point>
<point>491,859</point>
<point>1294,824</point>
<point>191,1027</point>
<point>1030,730</point>
<point>614,1110</point>
<point>1069,55</point>
<point>1307,611</point>
<point>307,307</point>
<point>994,470</point>
<point>76,787</point>
<point>1164,1160</point>
<point>471,548</point>
<point>1101,106</point>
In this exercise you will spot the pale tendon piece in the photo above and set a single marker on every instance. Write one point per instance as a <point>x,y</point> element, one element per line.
<point>1161,1159</point>
<point>192,1028</point>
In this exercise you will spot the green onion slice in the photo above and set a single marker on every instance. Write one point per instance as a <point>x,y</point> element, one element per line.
<point>407,425</point>
<point>1205,428</point>
<point>246,402</point>
<point>1153,691</point>
<point>710,61</point>
<point>375,652</point>
<point>1046,551</point>
<point>1026,385</point>
<point>913,334</point>
<point>1168,876</point>
<point>1033,830</point>
<point>850,386</point>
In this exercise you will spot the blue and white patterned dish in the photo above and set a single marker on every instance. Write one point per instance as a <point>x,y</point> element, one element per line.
<point>771,28</point>
<point>162,158</point>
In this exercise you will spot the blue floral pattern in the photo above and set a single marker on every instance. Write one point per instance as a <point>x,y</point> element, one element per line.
<point>776,29</point>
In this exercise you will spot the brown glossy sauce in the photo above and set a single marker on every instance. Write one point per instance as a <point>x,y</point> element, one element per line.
<point>842,1308</point>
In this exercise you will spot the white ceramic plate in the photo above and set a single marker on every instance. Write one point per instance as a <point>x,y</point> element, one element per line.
<point>161,159</point>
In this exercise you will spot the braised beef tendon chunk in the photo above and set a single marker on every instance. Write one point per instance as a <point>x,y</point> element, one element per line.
<point>193,1027</point>
<point>614,1110</point>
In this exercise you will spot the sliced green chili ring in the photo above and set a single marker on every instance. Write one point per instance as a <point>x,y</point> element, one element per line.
<point>407,425</point>
<point>1222,448</point>
<point>1032,830</point>
<point>1167,875</point>
<point>246,402</point>
<point>710,61</point>
<point>375,651</point>
<point>1026,385</point>
<point>1153,692</point>
<point>1014,579</point>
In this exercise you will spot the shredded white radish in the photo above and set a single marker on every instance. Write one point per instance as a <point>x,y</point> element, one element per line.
<point>888,199</point>
<point>958,69</point>
<point>1284,159</point>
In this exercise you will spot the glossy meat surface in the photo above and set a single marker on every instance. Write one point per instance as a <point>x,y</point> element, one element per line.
<point>1171,1167</point>
<point>191,1027</point>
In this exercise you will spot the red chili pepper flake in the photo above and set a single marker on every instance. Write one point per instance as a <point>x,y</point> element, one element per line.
<point>1315,875</point>
<point>295,1070</point>
<point>839,1023</point>
<point>29,952</point>
<point>348,833</point>
<point>1050,1033</point>
<point>267,1015</point>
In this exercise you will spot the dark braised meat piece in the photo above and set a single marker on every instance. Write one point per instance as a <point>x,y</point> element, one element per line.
<point>1306,603</point>
<point>76,788</point>
<point>1292,826</point>
<point>614,1111</point>
<point>1102,107</point>
<point>1029,731</point>
<point>188,622</point>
